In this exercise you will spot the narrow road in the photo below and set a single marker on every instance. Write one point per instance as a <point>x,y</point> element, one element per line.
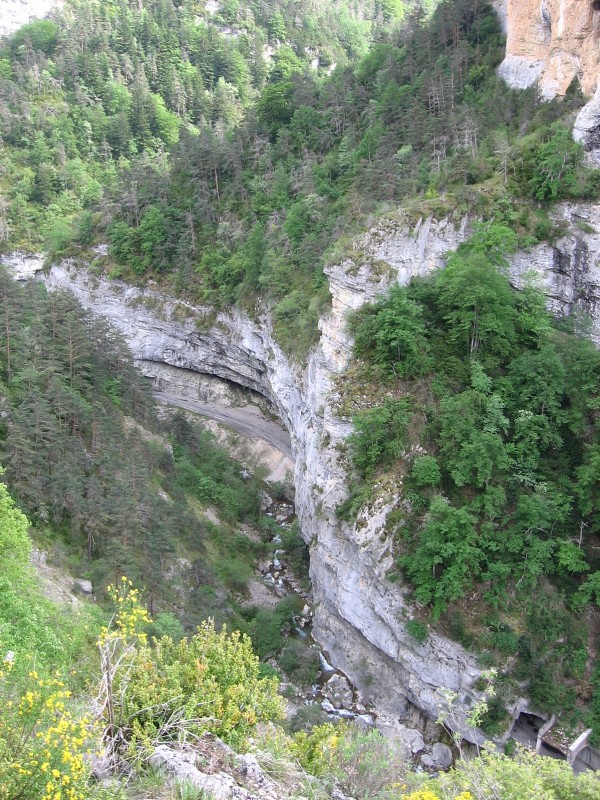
<point>243,420</point>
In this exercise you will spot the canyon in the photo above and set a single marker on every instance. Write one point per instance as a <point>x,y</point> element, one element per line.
<point>359,616</point>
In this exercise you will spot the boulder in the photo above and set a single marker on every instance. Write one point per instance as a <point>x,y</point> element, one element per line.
<point>180,765</point>
<point>413,739</point>
<point>442,755</point>
<point>83,586</point>
<point>339,691</point>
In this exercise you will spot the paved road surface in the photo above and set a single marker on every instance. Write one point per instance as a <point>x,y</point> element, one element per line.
<point>245,420</point>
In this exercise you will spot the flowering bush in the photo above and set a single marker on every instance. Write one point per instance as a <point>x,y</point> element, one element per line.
<point>43,743</point>
<point>364,763</point>
<point>209,682</point>
<point>316,750</point>
<point>171,691</point>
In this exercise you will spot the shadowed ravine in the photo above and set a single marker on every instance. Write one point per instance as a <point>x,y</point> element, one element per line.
<point>244,420</point>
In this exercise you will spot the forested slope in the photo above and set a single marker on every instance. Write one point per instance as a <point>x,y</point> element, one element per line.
<point>166,132</point>
<point>110,488</point>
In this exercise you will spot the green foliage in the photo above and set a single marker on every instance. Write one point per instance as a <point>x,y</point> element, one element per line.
<point>14,538</point>
<point>418,630</point>
<point>364,763</point>
<point>166,624</point>
<point>41,35</point>
<point>206,472</point>
<point>379,435</point>
<point>447,557</point>
<point>392,335</point>
<point>478,305</point>
<point>268,627</point>
<point>524,776</point>
<point>296,553</point>
<point>43,740</point>
<point>555,166</point>
<point>300,663</point>
<point>425,471</point>
<point>90,463</point>
<point>212,678</point>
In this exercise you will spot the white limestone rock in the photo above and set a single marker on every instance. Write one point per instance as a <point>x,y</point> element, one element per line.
<point>14,13</point>
<point>359,615</point>
<point>520,72</point>
<point>244,780</point>
<point>587,127</point>
<point>413,739</point>
<point>441,755</point>
<point>24,266</point>
<point>83,586</point>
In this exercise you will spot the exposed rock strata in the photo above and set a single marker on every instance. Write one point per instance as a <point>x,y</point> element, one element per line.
<point>359,616</point>
<point>551,41</point>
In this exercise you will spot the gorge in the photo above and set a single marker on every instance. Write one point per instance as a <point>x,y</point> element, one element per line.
<point>226,208</point>
<point>360,617</point>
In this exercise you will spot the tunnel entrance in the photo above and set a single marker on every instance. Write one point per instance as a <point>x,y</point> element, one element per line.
<point>595,5</point>
<point>527,729</point>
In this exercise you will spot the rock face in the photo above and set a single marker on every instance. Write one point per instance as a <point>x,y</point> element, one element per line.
<point>587,128</point>
<point>14,13</point>
<point>552,41</point>
<point>360,617</point>
<point>219,774</point>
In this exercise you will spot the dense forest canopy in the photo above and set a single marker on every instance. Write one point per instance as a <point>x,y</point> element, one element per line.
<point>215,152</point>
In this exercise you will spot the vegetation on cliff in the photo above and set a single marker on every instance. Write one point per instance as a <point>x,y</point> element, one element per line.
<point>489,431</point>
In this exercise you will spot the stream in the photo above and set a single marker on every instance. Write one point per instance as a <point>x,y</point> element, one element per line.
<point>332,691</point>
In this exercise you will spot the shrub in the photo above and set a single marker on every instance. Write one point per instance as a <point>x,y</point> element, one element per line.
<point>525,776</point>
<point>210,682</point>
<point>392,334</point>
<point>379,435</point>
<point>426,471</point>
<point>42,741</point>
<point>417,630</point>
<point>555,165</point>
<point>300,662</point>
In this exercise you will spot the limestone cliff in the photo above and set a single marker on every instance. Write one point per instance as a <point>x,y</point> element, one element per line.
<point>14,13</point>
<point>552,41</point>
<point>360,617</point>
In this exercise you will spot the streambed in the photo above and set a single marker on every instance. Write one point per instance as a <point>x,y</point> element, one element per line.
<point>332,690</point>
